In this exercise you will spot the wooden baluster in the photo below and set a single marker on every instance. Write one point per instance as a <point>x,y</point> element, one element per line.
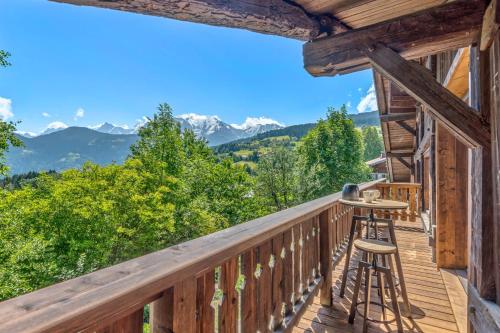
<point>277,282</point>
<point>386,195</point>
<point>264,283</point>
<point>317,245</point>
<point>297,263</point>
<point>288,272</point>
<point>325,253</point>
<point>333,227</point>
<point>249,293</point>
<point>185,306</point>
<point>305,256</point>
<point>133,323</point>
<point>404,198</point>
<point>413,203</point>
<point>205,313</point>
<point>161,311</point>
<point>336,225</point>
<point>229,308</point>
<point>394,196</point>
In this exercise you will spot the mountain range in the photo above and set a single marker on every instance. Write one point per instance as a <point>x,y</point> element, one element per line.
<point>60,147</point>
<point>212,128</point>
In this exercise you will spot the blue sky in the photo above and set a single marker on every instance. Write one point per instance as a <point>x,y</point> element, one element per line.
<point>83,66</point>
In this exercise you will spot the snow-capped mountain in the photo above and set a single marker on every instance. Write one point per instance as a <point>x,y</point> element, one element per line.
<point>253,126</point>
<point>56,126</point>
<point>217,132</point>
<point>212,128</point>
<point>113,129</point>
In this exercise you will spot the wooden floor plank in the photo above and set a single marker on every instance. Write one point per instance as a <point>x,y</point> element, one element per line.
<point>432,310</point>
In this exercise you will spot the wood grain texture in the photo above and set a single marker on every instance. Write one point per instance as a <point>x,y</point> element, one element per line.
<point>265,16</point>
<point>495,144</point>
<point>451,201</point>
<point>438,29</point>
<point>491,22</point>
<point>228,315</point>
<point>162,313</point>
<point>205,313</point>
<point>185,306</point>
<point>325,254</point>
<point>249,295</point>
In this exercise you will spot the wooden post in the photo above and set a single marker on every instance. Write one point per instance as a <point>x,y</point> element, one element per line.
<point>161,313</point>
<point>451,201</point>
<point>495,144</point>
<point>326,257</point>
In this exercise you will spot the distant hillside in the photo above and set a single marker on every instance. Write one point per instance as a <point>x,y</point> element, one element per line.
<point>366,119</point>
<point>69,148</point>
<point>294,132</point>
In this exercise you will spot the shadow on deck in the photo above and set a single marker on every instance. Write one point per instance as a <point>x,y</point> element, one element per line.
<point>431,308</point>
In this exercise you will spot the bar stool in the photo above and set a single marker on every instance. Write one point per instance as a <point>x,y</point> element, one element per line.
<point>374,248</point>
<point>371,222</point>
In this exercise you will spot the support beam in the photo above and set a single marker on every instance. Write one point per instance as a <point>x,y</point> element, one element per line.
<point>450,26</point>
<point>275,17</point>
<point>406,127</point>
<point>398,116</point>
<point>402,161</point>
<point>450,110</point>
<point>491,23</point>
<point>399,154</point>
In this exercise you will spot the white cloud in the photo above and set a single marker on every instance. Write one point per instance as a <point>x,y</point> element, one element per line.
<point>251,122</point>
<point>360,90</point>
<point>80,112</point>
<point>5,108</point>
<point>57,125</point>
<point>369,101</point>
<point>348,104</point>
<point>46,114</point>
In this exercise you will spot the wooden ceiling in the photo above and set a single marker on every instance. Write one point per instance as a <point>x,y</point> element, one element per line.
<point>361,13</point>
<point>398,140</point>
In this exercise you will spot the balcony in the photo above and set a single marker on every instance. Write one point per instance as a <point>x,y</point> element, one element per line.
<point>270,274</point>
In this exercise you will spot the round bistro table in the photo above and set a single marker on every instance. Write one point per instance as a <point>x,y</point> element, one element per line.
<point>375,223</point>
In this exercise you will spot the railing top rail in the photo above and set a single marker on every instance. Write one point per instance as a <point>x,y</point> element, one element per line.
<point>79,303</point>
<point>399,184</point>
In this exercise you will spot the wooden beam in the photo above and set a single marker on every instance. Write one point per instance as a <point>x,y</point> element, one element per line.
<point>402,161</point>
<point>435,30</point>
<point>491,23</point>
<point>399,154</point>
<point>407,127</point>
<point>450,110</point>
<point>275,17</point>
<point>398,116</point>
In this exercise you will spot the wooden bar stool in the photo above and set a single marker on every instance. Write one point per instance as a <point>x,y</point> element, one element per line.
<point>373,224</point>
<point>374,248</point>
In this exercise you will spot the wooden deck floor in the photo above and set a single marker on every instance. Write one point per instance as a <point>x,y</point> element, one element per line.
<point>431,309</point>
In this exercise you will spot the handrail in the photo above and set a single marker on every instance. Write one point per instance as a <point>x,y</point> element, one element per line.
<point>104,296</point>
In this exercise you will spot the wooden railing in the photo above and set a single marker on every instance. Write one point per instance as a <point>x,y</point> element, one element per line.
<point>406,192</point>
<point>256,276</point>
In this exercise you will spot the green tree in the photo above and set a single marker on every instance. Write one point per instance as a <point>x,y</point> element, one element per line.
<point>277,177</point>
<point>3,58</point>
<point>7,129</point>
<point>331,155</point>
<point>372,142</point>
